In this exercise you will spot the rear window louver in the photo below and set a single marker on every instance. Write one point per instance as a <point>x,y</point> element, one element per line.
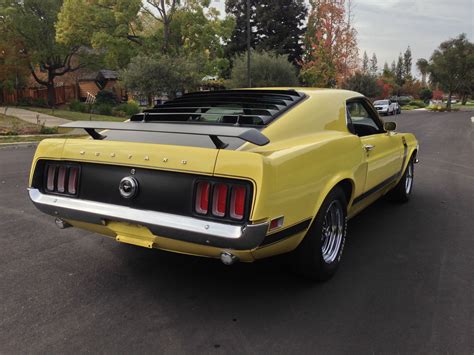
<point>236,107</point>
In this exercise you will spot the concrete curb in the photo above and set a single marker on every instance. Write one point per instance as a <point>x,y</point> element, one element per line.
<point>17,145</point>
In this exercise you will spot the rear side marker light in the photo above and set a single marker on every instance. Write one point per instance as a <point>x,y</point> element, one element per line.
<point>276,223</point>
<point>237,202</point>
<point>72,183</point>
<point>202,197</point>
<point>219,200</point>
<point>50,178</point>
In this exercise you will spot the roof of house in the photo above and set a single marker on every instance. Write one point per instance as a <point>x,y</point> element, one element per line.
<point>109,74</point>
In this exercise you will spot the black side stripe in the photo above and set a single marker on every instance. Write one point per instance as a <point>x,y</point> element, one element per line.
<point>376,188</point>
<point>286,233</point>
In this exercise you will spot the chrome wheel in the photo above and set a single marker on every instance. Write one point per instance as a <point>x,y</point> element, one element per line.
<point>332,231</point>
<point>409,178</point>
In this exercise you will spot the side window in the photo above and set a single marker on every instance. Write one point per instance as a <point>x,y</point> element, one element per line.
<point>363,124</point>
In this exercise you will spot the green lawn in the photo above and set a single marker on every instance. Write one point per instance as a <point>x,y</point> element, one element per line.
<point>469,106</point>
<point>76,116</point>
<point>10,125</point>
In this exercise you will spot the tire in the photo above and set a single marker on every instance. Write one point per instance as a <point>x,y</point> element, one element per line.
<point>319,254</point>
<point>403,190</point>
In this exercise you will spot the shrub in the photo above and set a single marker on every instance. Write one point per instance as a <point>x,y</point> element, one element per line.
<point>425,94</point>
<point>25,101</point>
<point>267,69</point>
<point>128,108</point>
<point>439,108</point>
<point>39,102</point>
<point>366,84</point>
<point>404,100</point>
<point>417,103</point>
<point>78,106</point>
<point>48,130</point>
<point>102,109</point>
<point>106,97</point>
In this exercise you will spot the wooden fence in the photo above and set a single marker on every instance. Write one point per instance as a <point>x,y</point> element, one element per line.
<point>64,94</point>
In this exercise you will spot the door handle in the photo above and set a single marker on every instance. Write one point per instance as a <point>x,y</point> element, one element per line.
<point>369,147</point>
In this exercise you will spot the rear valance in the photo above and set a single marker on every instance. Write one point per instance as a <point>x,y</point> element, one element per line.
<point>247,134</point>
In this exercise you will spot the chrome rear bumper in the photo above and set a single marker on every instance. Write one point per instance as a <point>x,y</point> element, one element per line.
<point>188,229</point>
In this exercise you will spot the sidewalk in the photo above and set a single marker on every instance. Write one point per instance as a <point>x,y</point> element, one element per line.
<point>32,117</point>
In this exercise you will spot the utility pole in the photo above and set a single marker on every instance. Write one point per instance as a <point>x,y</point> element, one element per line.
<point>249,79</point>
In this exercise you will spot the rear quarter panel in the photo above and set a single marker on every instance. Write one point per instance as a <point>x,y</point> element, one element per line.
<point>293,178</point>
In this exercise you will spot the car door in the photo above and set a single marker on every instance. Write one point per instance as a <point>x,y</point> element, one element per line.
<point>383,151</point>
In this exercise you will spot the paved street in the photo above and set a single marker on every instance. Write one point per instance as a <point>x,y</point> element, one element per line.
<point>406,283</point>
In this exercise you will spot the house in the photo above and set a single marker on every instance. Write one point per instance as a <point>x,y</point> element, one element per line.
<point>90,83</point>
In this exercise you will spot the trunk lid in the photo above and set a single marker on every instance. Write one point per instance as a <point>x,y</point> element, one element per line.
<point>154,156</point>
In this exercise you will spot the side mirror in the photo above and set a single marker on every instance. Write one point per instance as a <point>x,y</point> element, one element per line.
<point>390,126</point>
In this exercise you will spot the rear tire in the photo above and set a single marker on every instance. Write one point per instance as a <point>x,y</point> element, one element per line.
<point>402,191</point>
<point>319,254</point>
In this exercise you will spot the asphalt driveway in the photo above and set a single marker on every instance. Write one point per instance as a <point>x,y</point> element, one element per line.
<point>406,284</point>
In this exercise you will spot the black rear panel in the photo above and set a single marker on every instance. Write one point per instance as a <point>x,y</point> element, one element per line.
<point>158,190</point>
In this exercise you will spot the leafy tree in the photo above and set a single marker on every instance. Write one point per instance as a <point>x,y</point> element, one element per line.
<point>152,75</point>
<point>364,83</point>
<point>387,73</point>
<point>452,65</point>
<point>399,71</point>
<point>373,65</point>
<point>423,66</point>
<point>196,31</point>
<point>393,68</point>
<point>14,70</point>
<point>268,69</point>
<point>407,61</point>
<point>425,94</point>
<point>115,23</point>
<point>32,24</point>
<point>163,11</point>
<point>330,43</point>
<point>365,63</point>
<point>278,25</point>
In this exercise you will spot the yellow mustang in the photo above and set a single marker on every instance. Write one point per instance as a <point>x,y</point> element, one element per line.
<point>237,174</point>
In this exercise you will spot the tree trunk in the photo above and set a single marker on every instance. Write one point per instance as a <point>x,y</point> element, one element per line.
<point>51,94</point>
<point>166,36</point>
<point>464,99</point>
<point>448,104</point>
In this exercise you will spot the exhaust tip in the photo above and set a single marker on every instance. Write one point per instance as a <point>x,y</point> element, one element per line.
<point>228,258</point>
<point>61,224</point>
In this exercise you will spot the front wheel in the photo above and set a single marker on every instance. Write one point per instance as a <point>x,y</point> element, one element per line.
<point>402,191</point>
<point>319,254</point>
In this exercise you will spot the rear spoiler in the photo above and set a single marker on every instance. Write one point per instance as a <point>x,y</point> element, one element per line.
<point>248,134</point>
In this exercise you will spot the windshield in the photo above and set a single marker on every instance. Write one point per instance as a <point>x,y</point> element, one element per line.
<point>381,102</point>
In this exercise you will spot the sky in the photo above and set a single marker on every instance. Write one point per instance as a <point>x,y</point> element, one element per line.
<point>388,27</point>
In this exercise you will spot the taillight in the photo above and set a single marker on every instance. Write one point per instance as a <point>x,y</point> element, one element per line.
<point>51,177</point>
<point>62,179</point>
<point>202,197</point>
<point>219,200</point>
<point>72,183</point>
<point>237,202</point>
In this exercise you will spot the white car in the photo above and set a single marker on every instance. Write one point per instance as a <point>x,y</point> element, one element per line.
<point>385,107</point>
